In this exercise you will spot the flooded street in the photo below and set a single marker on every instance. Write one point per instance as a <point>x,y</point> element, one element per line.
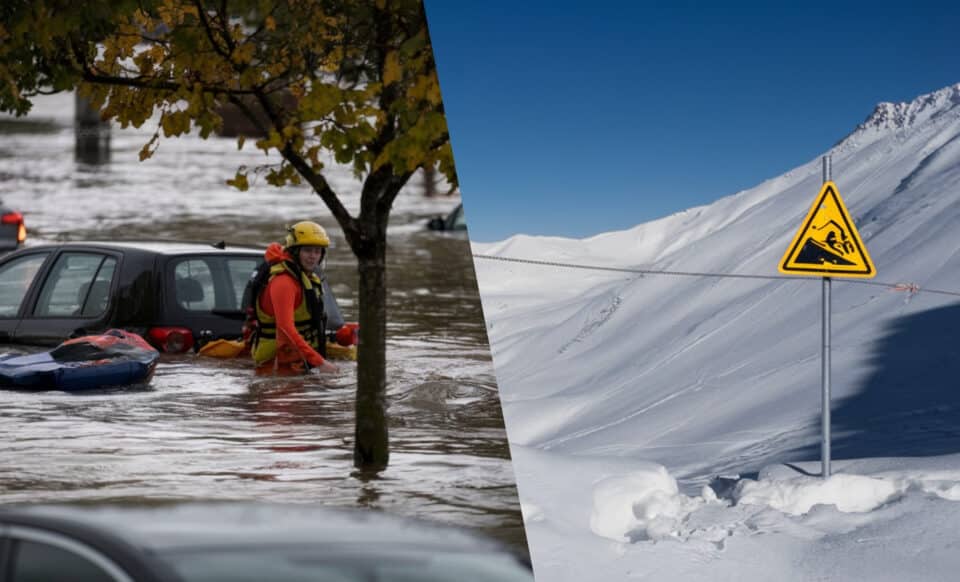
<point>206,428</point>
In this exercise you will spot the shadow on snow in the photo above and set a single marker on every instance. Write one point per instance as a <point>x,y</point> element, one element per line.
<point>909,405</point>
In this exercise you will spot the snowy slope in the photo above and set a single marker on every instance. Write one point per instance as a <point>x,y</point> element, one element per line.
<point>600,371</point>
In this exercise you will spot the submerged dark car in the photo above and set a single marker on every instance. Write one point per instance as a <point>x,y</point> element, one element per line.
<point>176,295</point>
<point>12,229</point>
<point>242,542</point>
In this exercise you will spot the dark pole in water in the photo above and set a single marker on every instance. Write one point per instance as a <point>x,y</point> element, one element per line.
<point>92,133</point>
<point>429,181</point>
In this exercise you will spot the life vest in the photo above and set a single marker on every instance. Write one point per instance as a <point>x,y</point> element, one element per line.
<point>308,315</point>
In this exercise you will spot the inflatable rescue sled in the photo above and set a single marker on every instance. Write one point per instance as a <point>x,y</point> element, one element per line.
<point>115,358</point>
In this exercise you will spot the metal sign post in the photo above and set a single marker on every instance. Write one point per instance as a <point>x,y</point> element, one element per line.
<point>825,381</point>
<point>825,360</point>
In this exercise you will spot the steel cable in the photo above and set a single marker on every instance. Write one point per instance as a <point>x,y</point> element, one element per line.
<point>908,287</point>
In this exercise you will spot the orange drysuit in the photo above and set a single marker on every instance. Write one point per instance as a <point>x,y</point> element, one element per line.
<point>280,299</point>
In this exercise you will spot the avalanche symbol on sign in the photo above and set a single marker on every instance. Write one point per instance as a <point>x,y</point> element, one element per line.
<point>827,243</point>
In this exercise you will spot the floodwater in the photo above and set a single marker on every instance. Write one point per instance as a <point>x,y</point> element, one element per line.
<point>208,429</point>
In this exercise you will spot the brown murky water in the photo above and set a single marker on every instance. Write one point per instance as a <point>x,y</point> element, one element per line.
<point>207,428</point>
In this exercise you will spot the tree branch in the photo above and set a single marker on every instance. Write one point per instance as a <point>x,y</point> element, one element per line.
<point>394,185</point>
<point>92,75</point>
<point>323,190</point>
<point>207,28</point>
<point>224,27</point>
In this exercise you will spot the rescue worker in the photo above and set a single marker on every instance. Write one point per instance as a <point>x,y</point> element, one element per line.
<point>289,309</point>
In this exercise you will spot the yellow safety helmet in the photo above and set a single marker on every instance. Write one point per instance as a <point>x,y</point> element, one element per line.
<point>306,233</point>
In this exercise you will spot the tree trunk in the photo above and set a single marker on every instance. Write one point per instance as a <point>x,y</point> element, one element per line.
<point>371,447</point>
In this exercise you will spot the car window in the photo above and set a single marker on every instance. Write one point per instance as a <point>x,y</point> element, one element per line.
<point>15,279</point>
<point>78,285</point>
<point>193,285</point>
<point>212,283</point>
<point>40,562</point>
<point>240,270</point>
<point>97,295</point>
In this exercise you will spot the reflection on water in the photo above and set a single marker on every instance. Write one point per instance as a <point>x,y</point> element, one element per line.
<point>208,428</point>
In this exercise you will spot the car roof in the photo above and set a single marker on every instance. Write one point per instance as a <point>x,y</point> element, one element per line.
<point>189,526</point>
<point>159,247</point>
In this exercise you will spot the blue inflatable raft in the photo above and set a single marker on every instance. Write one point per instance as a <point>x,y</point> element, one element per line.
<point>115,358</point>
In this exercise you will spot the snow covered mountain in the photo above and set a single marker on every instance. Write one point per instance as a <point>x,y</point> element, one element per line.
<point>604,374</point>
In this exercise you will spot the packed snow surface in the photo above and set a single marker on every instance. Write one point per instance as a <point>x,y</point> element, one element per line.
<point>668,426</point>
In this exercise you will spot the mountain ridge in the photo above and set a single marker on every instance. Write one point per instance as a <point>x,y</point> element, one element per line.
<point>889,115</point>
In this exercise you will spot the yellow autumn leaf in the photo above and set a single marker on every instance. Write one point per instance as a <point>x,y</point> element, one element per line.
<point>243,54</point>
<point>239,182</point>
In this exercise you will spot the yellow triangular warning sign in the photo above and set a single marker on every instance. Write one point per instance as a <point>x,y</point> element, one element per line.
<point>827,244</point>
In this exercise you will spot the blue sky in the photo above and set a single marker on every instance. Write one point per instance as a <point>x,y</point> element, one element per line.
<point>576,118</point>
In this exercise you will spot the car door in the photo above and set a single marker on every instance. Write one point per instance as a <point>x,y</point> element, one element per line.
<point>18,275</point>
<point>74,298</point>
